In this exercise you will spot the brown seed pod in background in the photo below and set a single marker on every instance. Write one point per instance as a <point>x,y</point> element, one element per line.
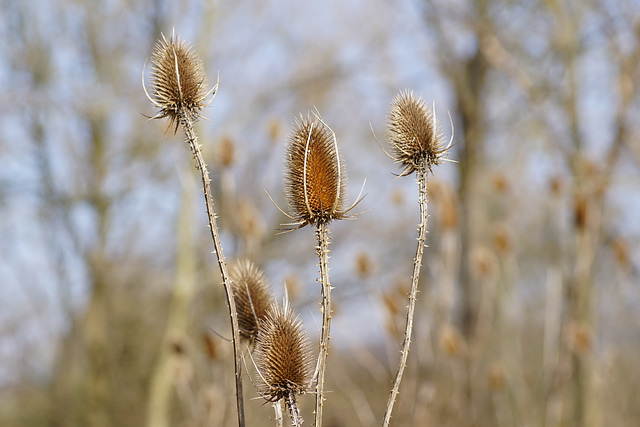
<point>579,337</point>
<point>226,152</point>
<point>211,348</point>
<point>284,359</point>
<point>622,252</point>
<point>451,341</point>
<point>496,377</point>
<point>252,296</point>
<point>581,211</point>
<point>364,265</point>
<point>315,176</point>
<point>178,81</point>
<point>414,133</point>
<point>502,240</point>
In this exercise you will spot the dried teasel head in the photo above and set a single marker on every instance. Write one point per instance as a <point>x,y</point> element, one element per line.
<point>414,134</point>
<point>284,359</point>
<point>178,81</point>
<point>252,296</point>
<point>315,176</point>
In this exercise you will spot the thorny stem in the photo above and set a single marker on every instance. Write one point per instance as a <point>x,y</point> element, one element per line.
<point>192,139</point>
<point>292,405</point>
<point>422,173</point>
<point>322,233</point>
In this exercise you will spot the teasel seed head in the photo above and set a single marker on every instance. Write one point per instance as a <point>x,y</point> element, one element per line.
<point>414,134</point>
<point>315,176</point>
<point>178,81</point>
<point>252,296</point>
<point>284,359</point>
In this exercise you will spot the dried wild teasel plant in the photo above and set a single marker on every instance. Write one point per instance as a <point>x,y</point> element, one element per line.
<point>315,181</point>
<point>178,82</point>
<point>252,296</point>
<point>415,135</point>
<point>178,90</point>
<point>283,359</point>
<point>315,175</point>
<point>416,143</point>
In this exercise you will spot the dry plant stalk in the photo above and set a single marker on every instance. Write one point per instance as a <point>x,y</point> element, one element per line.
<point>416,145</point>
<point>277,408</point>
<point>284,359</point>
<point>178,90</point>
<point>315,181</point>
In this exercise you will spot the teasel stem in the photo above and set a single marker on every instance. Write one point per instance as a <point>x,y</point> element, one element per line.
<point>322,234</point>
<point>294,411</point>
<point>201,165</point>
<point>422,174</point>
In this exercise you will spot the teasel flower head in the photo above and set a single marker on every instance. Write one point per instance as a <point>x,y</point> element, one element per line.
<point>414,134</point>
<point>315,175</point>
<point>252,296</point>
<point>178,81</point>
<point>283,354</point>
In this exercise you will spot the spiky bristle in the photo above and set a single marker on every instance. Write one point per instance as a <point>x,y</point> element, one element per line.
<point>252,295</point>
<point>283,355</point>
<point>315,176</point>
<point>178,81</point>
<point>414,134</point>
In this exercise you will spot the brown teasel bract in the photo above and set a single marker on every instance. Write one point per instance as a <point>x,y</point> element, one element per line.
<point>252,295</point>
<point>284,359</point>
<point>315,176</point>
<point>414,133</point>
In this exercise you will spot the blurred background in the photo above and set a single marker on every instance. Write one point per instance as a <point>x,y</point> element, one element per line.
<point>111,307</point>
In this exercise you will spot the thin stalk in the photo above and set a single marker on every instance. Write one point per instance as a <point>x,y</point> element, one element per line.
<point>192,139</point>
<point>422,173</point>
<point>322,233</point>
<point>292,405</point>
<point>277,407</point>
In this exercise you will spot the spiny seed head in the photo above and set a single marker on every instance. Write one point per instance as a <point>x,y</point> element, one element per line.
<point>283,354</point>
<point>414,133</point>
<point>178,81</point>
<point>252,296</point>
<point>315,176</point>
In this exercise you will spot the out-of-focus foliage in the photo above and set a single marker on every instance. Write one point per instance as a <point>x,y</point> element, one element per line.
<point>528,311</point>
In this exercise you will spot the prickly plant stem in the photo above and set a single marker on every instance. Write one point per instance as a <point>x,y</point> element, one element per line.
<point>322,233</point>
<point>292,405</point>
<point>192,139</point>
<point>417,263</point>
